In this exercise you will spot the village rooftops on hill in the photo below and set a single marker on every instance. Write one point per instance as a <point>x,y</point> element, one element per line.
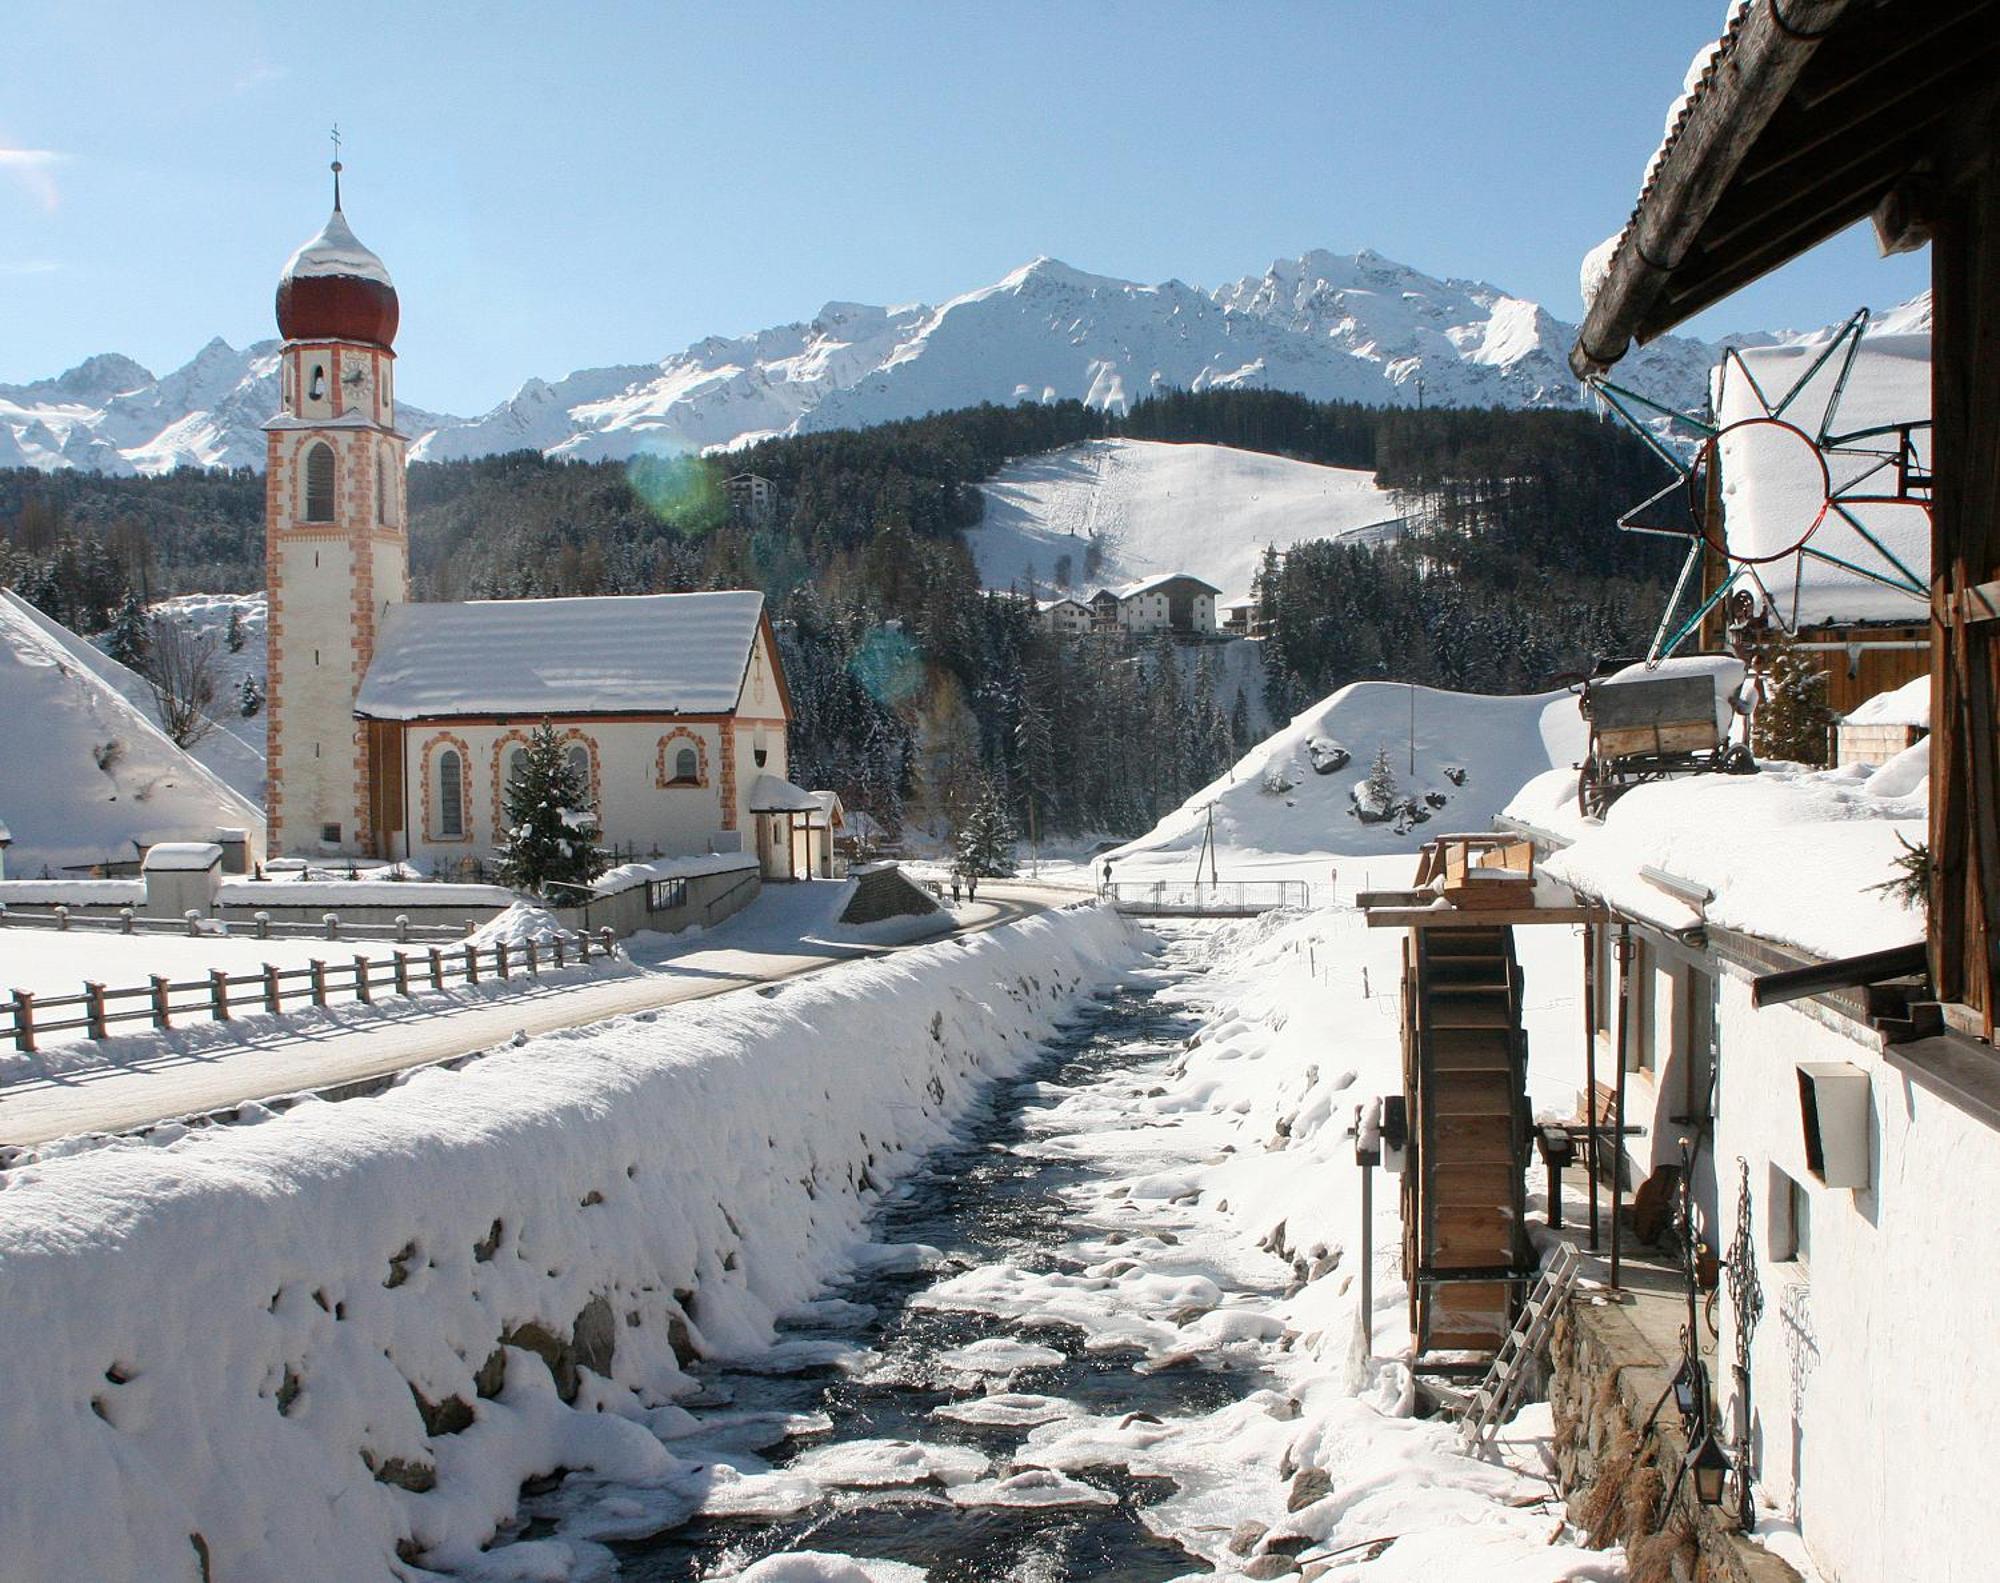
<point>652,654</point>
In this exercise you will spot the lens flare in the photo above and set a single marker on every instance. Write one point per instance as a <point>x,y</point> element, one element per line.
<point>887,665</point>
<point>680,491</point>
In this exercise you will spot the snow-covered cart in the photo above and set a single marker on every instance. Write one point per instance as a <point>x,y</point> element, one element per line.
<point>1647,725</point>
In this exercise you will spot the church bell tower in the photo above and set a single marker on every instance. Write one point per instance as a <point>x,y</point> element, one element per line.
<point>336,543</point>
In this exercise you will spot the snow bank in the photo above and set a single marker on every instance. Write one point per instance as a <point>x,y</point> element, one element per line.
<point>627,876</point>
<point>300,1347</point>
<point>1790,854</point>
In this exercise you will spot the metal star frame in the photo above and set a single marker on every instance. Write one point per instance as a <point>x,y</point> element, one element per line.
<point>1876,457</point>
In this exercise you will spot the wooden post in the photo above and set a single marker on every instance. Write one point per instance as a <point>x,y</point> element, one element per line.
<point>274,999</point>
<point>472,964</point>
<point>24,1021</point>
<point>604,941</point>
<point>93,1011</point>
<point>534,962</point>
<point>559,952</point>
<point>1624,950</point>
<point>362,992</point>
<point>318,971</point>
<point>218,994</point>
<point>162,1009</point>
<point>402,975</point>
<point>437,968</point>
<point>1590,1144</point>
<point>500,958</point>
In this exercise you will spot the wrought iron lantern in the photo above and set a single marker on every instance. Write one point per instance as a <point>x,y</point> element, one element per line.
<point>1709,1466</point>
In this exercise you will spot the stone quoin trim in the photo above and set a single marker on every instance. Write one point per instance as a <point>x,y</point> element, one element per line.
<point>729,774</point>
<point>433,746</point>
<point>669,749</point>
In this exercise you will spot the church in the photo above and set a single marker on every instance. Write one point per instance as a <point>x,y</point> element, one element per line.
<point>394,726</point>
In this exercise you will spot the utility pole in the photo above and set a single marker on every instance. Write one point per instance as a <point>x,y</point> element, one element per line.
<point>1413,729</point>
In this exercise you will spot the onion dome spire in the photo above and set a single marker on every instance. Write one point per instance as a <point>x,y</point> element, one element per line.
<point>333,288</point>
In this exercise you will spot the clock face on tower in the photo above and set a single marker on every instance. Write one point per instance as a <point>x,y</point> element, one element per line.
<point>357,382</point>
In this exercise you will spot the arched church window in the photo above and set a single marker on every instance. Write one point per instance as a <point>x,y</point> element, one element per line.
<point>579,761</point>
<point>319,483</point>
<point>451,795</point>
<point>687,767</point>
<point>517,764</point>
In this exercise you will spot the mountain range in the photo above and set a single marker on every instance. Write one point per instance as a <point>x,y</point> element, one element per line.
<point>1332,327</point>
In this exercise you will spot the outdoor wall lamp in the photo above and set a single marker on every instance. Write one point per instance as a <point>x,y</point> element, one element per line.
<point>1710,1466</point>
<point>1687,1390</point>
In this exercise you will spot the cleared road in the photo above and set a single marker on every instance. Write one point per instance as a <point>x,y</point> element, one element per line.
<point>284,1057</point>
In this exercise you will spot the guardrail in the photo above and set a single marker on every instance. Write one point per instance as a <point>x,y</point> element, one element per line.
<point>259,925</point>
<point>24,1017</point>
<point>1207,899</point>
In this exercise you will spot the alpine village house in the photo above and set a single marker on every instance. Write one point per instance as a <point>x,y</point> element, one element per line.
<point>395,726</point>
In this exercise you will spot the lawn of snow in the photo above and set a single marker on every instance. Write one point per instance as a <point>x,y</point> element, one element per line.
<point>1209,510</point>
<point>84,772</point>
<point>1278,815</point>
<point>239,1332</point>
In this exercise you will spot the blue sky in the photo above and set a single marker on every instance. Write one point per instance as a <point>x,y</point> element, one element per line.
<point>557,186</point>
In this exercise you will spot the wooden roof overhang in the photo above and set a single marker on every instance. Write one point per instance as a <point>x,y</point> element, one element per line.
<point>1812,115</point>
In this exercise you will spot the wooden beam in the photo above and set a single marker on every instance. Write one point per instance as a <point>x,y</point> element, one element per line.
<point>1480,917</point>
<point>1762,60</point>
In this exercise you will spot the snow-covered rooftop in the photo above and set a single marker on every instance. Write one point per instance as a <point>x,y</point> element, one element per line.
<point>1789,854</point>
<point>181,857</point>
<point>770,794</point>
<point>1908,705</point>
<point>625,654</point>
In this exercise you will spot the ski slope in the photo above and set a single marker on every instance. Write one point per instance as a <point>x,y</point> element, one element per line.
<point>1154,507</point>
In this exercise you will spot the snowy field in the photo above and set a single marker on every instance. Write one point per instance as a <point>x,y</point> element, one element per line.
<point>1152,507</point>
<point>1292,807</point>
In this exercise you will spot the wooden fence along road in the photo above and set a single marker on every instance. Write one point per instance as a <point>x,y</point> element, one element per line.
<point>25,1018</point>
<point>279,1056</point>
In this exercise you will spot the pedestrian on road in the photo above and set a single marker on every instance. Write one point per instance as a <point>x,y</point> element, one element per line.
<point>954,890</point>
<point>972,887</point>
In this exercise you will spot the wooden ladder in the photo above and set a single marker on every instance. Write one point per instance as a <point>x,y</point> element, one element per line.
<point>1490,1405</point>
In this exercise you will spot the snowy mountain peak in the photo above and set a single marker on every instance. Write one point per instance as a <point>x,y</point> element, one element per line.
<point>1326,325</point>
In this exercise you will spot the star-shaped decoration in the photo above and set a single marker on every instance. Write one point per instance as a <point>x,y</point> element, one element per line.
<point>1824,516</point>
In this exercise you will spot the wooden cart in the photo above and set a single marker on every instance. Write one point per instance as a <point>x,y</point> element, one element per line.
<point>1648,727</point>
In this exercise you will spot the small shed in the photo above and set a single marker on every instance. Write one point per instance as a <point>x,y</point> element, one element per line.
<point>1886,724</point>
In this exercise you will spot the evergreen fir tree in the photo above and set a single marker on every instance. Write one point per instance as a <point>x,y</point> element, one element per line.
<point>1376,797</point>
<point>233,638</point>
<point>986,839</point>
<point>551,830</point>
<point>1239,724</point>
<point>249,697</point>
<point>128,640</point>
<point>1793,721</point>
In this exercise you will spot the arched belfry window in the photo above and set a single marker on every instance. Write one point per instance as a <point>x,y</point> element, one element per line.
<point>319,483</point>
<point>451,795</point>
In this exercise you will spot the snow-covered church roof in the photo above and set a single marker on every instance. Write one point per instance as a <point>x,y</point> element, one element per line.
<point>617,655</point>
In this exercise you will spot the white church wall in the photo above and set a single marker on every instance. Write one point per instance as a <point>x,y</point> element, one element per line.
<point>641,806</point>
<point>1874,1304</point>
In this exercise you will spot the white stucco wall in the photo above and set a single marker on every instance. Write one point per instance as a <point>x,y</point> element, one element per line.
<point>635,810</point>
<point>1870,1361</point>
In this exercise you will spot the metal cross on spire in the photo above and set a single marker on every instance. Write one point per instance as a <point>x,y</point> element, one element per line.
<point>336,164</point>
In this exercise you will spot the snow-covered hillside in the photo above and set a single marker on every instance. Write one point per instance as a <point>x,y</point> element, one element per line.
<point>1151,508</point>
<point>85,773</point>
<point>1361,329</point>
<point>1293,801</point>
